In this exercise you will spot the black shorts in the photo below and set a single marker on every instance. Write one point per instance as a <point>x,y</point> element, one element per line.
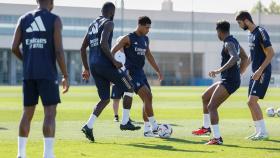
<point>116,93</point>
<point>231,86</point>
<point>259,87</point>
<point>103,76</point>
<point>48,90</point>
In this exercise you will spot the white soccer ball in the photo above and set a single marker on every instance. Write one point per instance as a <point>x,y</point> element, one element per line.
<point>164,131</point>
<point>278,112</point>
<point>270,112</point>
<point>120,57</point>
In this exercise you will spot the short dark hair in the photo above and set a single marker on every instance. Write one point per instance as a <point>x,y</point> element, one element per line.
<point>42,1</point>
<point>143,20</point>
<point>223,26</point>
<point>242,15</point>
<point>107,7</point>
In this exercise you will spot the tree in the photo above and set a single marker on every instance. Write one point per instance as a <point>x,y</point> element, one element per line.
<point>273,8</point>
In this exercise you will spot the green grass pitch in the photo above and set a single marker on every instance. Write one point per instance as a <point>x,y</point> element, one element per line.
<point>179,106</point>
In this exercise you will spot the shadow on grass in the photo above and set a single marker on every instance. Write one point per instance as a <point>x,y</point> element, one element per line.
<point>178,140</point>
<point>273,140</point>
<point>248,147</point>
<point>3,128</point>
<point>164,147</point>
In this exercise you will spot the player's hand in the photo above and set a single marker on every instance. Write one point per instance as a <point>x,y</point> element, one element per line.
<point>117,64</point>
<point>65,84</point>
<point>213,73</point>
<point>257,75</point>
<point>85,75</point>
<point>160,76</point>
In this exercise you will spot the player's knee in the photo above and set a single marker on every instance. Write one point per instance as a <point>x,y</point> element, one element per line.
<point>26,117</point>
<point>211,107</point>
<point>50,114</point>
<point>149,96</point>
<point>251,103</point>
<point>105,102</point>
<point>204,98</point>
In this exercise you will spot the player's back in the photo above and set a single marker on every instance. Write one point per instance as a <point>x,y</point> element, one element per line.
<point>135,53</point>
<point>37,28</point>
<point>97,57</point>
<point>232,73</point>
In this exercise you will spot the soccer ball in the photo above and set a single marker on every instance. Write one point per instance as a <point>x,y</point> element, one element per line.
<point>164,131</point>
<point>270,112</point>
<point>278,112</point>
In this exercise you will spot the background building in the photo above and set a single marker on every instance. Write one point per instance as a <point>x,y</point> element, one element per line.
<point>184,44</point>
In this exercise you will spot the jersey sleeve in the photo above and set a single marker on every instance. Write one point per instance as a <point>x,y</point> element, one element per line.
<point>264,38</point>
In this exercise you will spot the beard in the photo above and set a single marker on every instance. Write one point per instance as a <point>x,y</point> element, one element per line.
<point>112,18</point>
<point>245,27</point>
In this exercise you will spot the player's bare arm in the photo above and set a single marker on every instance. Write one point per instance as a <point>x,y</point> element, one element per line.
<point>153,63</point>
<point>16,42</point>
<point>245,61</point>
<point>108,28</point>
<point>230,47</point>
<point>60,54</point>
<point>83,50</point>
<point>269,53</point>
<point>124,42</point>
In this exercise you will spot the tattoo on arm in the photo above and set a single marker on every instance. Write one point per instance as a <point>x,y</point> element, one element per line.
<point>233,52</point>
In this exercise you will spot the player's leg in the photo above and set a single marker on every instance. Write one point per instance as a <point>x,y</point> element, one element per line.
<point>49,92</point>
<point>219,96</point>
<point>146,95</point>
<point>206,96</point>
<point>147,126</point>
<point>259,122</point>
<point>116,97</point>
<point>24,128</point>
<point>116,103</point>
<point>257,91</point>
<point>103,89</point>
<point>122,82</point>
<point>30,98</point>
<point>49,130</point>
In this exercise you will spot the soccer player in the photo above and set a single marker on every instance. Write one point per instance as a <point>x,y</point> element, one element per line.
<point>39,33</point>
<point>216,94</point>
<point>104,68</point>
<point>136,49</point>
<point>261,54</point>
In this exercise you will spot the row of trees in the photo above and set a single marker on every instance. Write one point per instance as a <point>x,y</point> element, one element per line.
<point>273,8</point>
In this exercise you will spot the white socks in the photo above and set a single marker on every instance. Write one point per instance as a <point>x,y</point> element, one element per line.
<point>125,116</point>
<point>91,121</point>
<point>22,147</point>
<point>206,120</point>
<point>260,126</point>
<point>153,122</point>
<point>147,126</point>
<point>216,131</point>
<point>257,126</point>
<point>48,147</point>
